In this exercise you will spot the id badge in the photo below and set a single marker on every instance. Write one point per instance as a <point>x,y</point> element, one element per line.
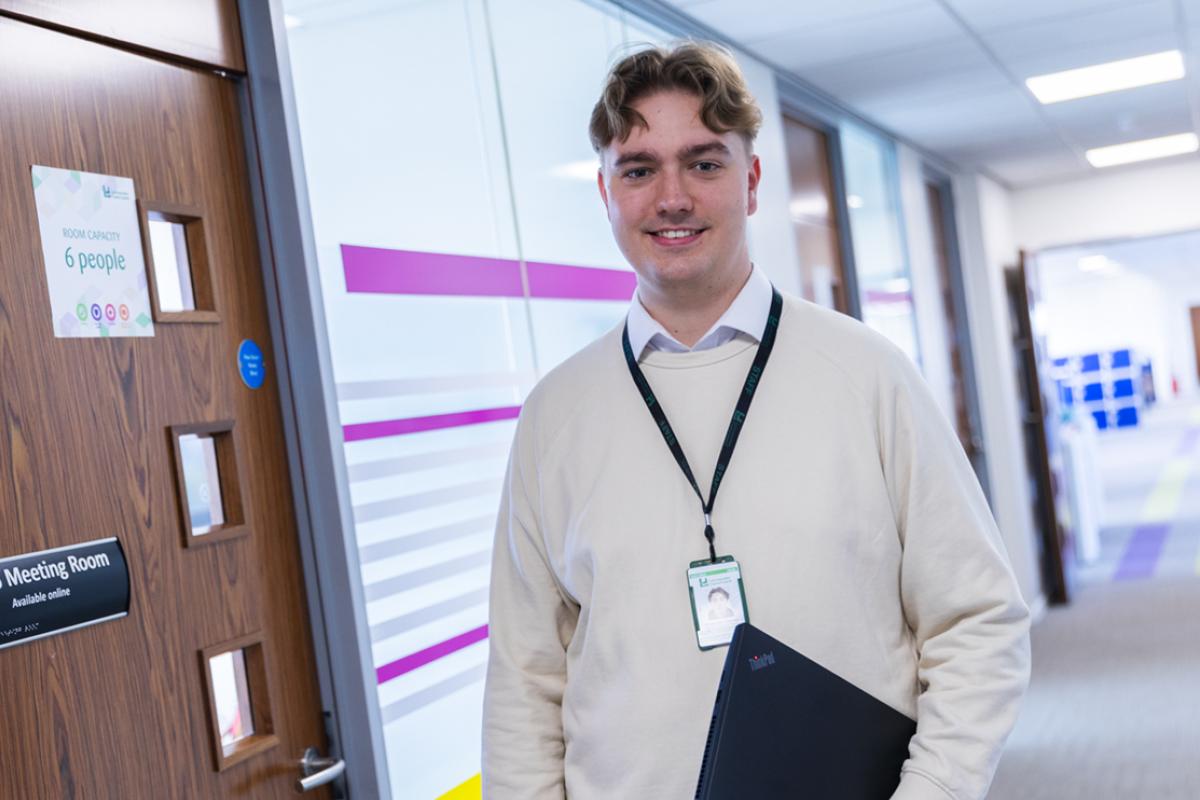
<point>718,600</point>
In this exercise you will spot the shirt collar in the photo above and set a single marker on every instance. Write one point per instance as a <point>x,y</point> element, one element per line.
<point>746,314</point>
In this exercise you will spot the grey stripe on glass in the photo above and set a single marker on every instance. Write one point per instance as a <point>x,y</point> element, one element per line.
<point>406,622</point>
<point>420,577</point>
<point>366,512</point>
<point>371,390</point>
<point>415,541</point>
<point>418,700</point>
<point>370,470</point>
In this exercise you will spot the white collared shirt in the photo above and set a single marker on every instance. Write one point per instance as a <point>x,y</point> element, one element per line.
<point>746,314</point>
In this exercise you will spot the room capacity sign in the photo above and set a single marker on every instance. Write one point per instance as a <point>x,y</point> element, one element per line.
<point>93,253</point>
<point>55,591</point>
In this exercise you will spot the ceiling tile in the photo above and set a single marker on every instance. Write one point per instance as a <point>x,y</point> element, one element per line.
<point>745,21</point>
<point>898,29</point>
<point>986,15</point>
<point>970,121</point>
<point>935,70</point>
<point>1134,29</point>
<point>1142,113</point>
<point>1033,168</point>
<point>1055,59</point>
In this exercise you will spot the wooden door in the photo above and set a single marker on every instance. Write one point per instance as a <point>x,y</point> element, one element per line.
<point>121,709</point>
<point>1195,314</point>
<point>814,215</point>
<point>1055,538</point>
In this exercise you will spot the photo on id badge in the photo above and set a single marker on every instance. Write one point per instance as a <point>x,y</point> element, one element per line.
<point>718,600</point>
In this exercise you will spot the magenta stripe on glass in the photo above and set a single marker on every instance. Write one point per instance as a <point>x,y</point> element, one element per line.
<point>398,427</point>
<point>422,657</point>
<point>881,297</point>
<point>563,282</point>
<point>378,270</point>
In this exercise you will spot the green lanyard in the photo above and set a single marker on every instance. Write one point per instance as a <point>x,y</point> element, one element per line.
<point>766,344</point>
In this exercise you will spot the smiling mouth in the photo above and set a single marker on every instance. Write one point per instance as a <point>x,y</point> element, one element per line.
<point>676,236</point>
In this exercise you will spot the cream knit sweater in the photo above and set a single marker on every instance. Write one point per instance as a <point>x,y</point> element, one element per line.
<point>864,540</point>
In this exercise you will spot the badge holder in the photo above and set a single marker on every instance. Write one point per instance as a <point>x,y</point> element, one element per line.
<point>718,599</point>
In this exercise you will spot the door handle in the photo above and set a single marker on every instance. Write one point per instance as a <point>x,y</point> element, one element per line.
<point>316,770</point>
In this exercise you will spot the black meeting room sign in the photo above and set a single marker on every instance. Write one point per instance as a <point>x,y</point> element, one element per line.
<point>54,591</point>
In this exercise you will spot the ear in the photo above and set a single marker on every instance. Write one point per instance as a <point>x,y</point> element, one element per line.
<point>603,190</point>
<point>754,176</point>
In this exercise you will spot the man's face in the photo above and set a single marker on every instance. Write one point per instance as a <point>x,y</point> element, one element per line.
<point>678,196</point>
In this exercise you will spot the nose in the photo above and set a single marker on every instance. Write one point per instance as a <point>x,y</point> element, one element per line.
<point>674,199</point>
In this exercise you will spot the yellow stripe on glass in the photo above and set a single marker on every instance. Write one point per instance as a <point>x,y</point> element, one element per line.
<point>470,790</point>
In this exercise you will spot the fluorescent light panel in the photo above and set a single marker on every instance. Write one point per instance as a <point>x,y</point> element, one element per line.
<point>1111,77</point>
<point>1143,150</point>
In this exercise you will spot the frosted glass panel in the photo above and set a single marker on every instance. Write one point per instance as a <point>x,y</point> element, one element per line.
<point>231,696</point>
<point>885,291</point>
<point>172,267</point>
<point>201,479</point>
<point>430,341</point>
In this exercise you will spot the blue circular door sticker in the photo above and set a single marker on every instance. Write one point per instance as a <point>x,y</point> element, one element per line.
<point>250,364</point>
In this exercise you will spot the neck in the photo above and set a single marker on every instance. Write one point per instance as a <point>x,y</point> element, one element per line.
<point>688,312</point>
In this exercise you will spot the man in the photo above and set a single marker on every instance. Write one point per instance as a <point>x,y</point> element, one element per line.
<point>861,535</point>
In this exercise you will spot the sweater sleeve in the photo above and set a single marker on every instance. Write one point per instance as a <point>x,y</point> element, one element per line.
<point>959,596</point>
<point>530,624</point>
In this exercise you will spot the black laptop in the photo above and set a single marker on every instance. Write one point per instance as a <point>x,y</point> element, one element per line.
<point>784,726</point>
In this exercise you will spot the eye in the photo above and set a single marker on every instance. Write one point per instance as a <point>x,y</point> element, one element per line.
<point>636,172</point>
<point>707,166</point>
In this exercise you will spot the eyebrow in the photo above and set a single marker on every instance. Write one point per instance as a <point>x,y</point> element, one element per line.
<point>687,153</point>
<point>707,148</point>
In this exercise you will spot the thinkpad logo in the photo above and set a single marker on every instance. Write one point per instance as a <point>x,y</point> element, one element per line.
<point>760,661</point>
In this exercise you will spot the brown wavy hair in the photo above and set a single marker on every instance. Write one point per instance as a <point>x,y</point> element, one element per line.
<point>703,69</point>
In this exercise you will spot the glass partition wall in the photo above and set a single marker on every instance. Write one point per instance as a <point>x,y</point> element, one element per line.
<point>880,260</point>
<point>463,252</point>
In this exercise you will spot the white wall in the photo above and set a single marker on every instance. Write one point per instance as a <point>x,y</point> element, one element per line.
<point>772,239</point>
<point>926,281</point>
<point>1162,198</point>
<point>1096,312</point>
<point>987,245</point>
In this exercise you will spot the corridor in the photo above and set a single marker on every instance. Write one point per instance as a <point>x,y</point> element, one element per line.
<point>1114,703</point>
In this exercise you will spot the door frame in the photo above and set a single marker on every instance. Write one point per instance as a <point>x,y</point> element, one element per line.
<point>944,184</point>
<point>320,486</point>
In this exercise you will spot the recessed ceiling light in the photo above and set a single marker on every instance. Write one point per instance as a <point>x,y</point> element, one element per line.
<point>854,201</point>
<point>1143,150</point>
<point>291,22</point>
<point>1110,77</point>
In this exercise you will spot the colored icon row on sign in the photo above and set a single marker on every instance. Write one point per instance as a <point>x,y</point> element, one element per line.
<point>108,312</point>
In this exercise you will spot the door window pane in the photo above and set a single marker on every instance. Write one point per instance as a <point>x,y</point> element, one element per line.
<point>202,479</point>
<point>172,266</point>
<point>231,696</point>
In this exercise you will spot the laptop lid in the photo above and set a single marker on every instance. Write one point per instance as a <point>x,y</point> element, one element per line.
<point>784,726</point>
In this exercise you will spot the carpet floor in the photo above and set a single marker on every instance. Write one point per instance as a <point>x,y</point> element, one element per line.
<point>1113,709</point>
